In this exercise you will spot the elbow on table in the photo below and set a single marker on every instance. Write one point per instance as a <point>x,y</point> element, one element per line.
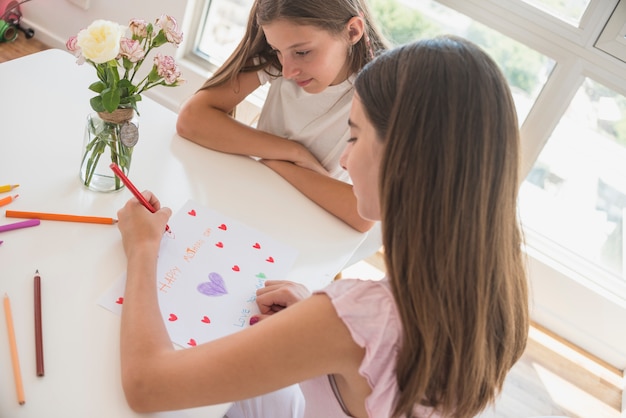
<point>361,225</point>
<point>184,126</point>
<point>137,390</point>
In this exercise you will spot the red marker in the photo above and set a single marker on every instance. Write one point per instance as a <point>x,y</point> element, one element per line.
<point>118,172</point>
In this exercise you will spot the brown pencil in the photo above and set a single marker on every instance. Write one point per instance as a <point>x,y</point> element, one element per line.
<point>60,217</point>
<point>38,327</point>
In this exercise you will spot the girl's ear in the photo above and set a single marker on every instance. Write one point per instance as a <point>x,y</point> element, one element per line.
<point>356,27</point>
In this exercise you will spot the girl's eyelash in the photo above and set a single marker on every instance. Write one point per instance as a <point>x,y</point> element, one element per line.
<point>353,139</point>
<point>302,53</point>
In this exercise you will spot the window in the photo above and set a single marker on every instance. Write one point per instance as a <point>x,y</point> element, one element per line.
<point>568,11</point>
<point>575,194</point>
<point>565,61</point>
<point>223,27</point>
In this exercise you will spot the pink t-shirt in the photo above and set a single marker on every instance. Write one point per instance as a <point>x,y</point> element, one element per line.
<point>368,309</point>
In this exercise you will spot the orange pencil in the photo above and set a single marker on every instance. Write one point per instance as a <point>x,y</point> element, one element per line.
<point>8,199</point>
<point>17,373</point>
<point>60,217</point>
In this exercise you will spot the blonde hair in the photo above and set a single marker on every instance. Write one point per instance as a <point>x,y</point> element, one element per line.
<point>449,181</point>
<point>331,16</point>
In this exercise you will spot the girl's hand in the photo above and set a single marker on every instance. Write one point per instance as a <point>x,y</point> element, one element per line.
<point>302,157</point>
<point>278,295</point>
<point>140,228</point>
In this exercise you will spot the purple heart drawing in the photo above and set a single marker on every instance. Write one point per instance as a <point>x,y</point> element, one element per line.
<point>214,287</point>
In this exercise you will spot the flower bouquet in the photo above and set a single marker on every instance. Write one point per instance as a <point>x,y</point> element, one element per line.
<point>113,130</point>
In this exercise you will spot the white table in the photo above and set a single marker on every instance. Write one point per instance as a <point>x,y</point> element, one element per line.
<point>44,104</point>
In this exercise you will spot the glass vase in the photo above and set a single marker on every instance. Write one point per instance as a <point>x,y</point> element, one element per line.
<point>109,138</point>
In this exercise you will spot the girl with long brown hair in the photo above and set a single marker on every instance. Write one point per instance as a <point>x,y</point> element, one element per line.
<point>309,51</point>
<point>434,154</point>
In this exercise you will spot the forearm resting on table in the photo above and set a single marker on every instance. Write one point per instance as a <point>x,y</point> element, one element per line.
<point>216,130</point>
<point>335,196</point>
<point>143,336</point>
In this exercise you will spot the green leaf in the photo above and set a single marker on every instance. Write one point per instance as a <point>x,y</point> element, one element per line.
<point>128,87</point>
<point>96,104</point>
<point>98,86</point>
<point>110,99</point>
<point>113,74</point>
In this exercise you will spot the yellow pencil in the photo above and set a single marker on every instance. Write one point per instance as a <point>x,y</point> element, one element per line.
<point>17,373</point>
<point>8,187</point>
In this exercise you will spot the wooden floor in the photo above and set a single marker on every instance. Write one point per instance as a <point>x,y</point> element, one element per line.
<point>552,377</point>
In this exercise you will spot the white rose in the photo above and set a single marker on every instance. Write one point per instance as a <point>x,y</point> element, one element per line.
<point>100,42</point>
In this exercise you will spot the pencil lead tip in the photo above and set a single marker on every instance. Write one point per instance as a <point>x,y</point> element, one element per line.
<point>37,271</point>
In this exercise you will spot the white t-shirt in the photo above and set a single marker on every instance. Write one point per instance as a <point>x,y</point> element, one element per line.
<point>317,121</point>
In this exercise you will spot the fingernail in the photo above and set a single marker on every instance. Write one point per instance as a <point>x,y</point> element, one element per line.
<point>254,320</point>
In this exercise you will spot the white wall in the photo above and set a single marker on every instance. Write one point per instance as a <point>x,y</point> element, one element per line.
<point>54,21</point>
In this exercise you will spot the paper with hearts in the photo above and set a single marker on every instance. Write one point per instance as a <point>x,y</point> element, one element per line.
<point>208,271</point>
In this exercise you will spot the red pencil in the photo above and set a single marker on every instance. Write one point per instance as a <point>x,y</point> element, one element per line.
<point>118,172</point>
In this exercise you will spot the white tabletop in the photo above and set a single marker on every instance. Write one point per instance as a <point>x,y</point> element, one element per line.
<point>43,106</point>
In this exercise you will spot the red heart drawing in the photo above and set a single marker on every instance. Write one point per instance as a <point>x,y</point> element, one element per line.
<point>257,246</point>
<point>206,320</point>
<point>192,342</point>
<point>192,212</point>
<point>119,300</point>
<point>269,260</point>
<point>173,317</point>
<point>235,267</point>
<point>222,227</point>
<point>219,245</point>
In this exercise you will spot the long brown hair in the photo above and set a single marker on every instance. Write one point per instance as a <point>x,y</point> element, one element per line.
<point>449,182</point>
<point>331,16</point>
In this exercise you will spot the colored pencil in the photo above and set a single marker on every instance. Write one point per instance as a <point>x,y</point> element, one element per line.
<point>17,373</point>
<point>60,217</point>
<point>118,172</point>
<point>18,225</point>
<point>38,327</point>
<point>8,187</point>
<point>8,199</point>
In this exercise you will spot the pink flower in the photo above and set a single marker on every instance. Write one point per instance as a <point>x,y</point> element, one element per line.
<point>170,28</point>
<point>138,27</point>
<point>131,50</point>
<point>72,46</point>
<point>167,69</point>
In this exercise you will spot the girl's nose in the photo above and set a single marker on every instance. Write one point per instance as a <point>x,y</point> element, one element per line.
<point>343,160</point>
<point>290,70</point>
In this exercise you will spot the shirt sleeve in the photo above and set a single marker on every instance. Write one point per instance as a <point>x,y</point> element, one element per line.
<point>368,309</point>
